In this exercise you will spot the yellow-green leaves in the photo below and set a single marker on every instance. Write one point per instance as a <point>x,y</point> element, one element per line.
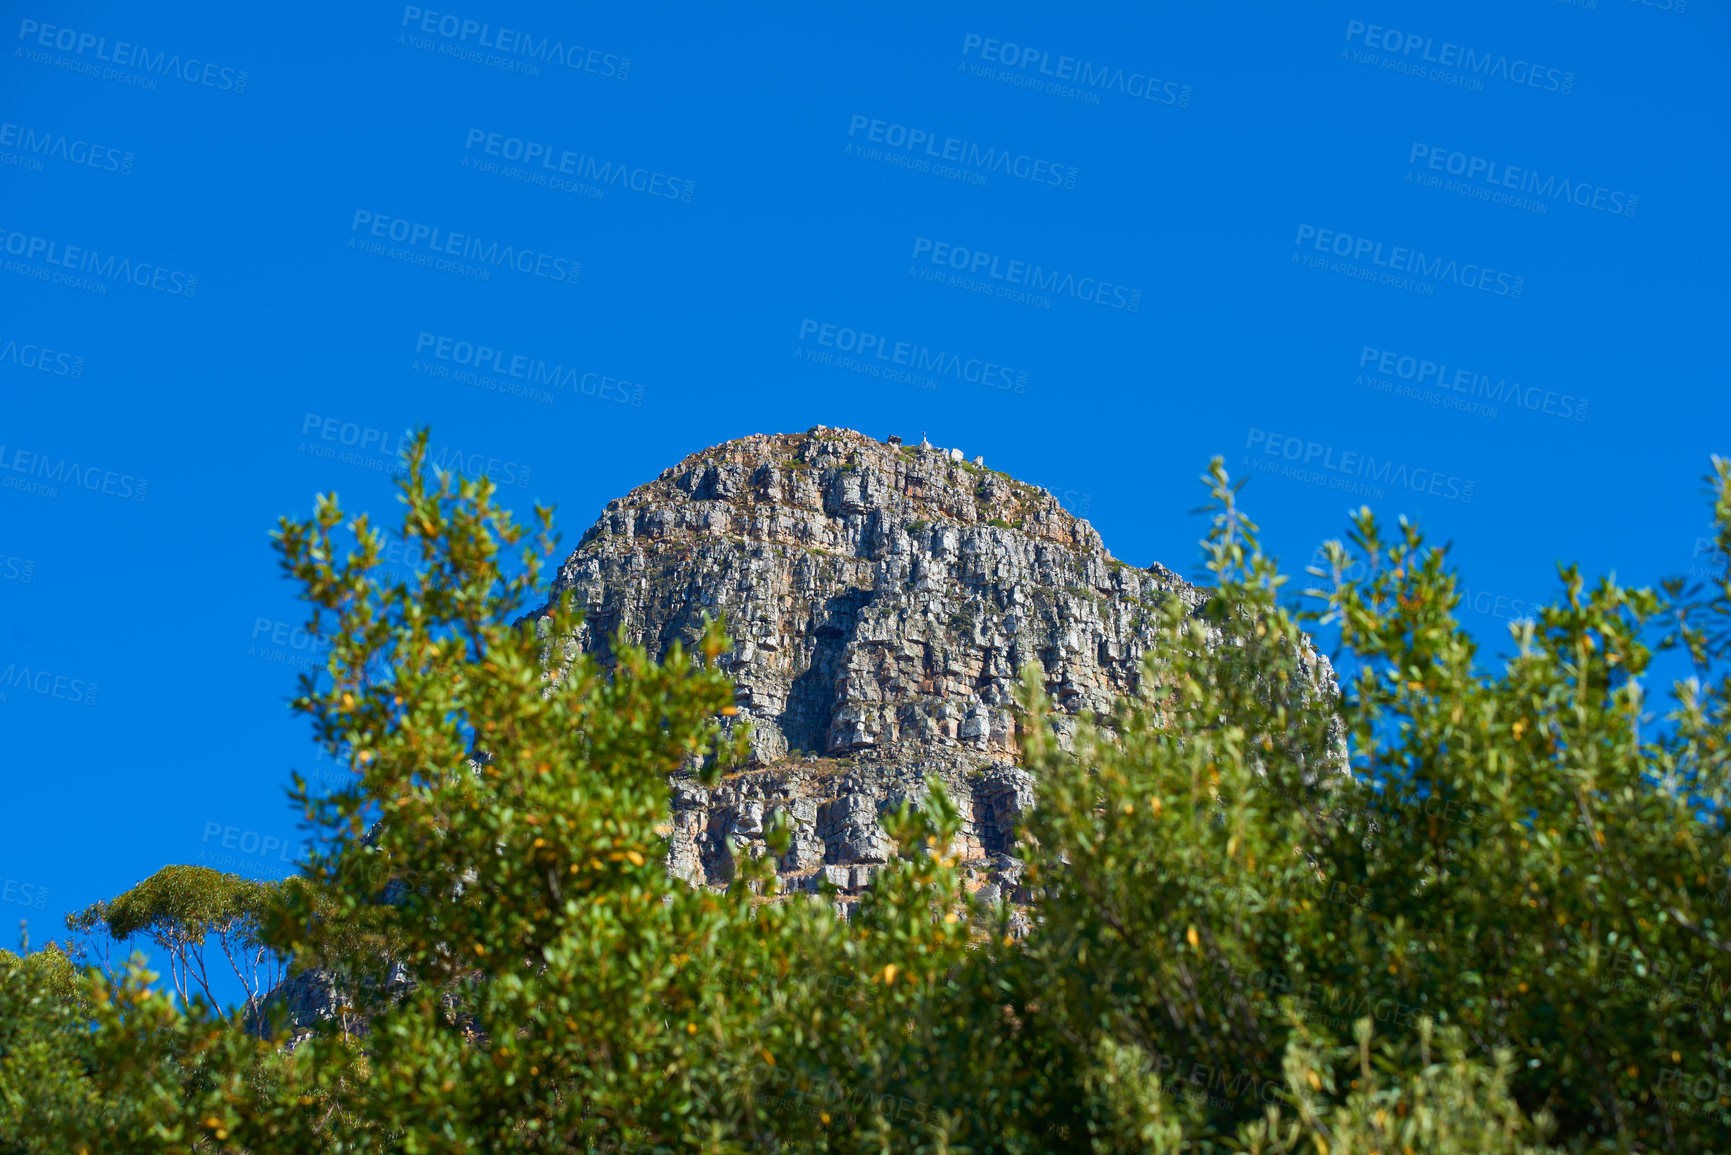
<point>1386,911</point>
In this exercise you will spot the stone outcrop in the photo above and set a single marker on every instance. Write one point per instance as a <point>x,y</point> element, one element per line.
<point>882,599</point>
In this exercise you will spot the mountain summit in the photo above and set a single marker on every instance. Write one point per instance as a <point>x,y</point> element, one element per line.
<point>882,599</point>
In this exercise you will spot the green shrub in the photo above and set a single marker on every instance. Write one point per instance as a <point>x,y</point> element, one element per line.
<point>1434,907</point>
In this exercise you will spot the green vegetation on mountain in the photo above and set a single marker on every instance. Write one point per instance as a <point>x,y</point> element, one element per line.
<point>1450,908</point>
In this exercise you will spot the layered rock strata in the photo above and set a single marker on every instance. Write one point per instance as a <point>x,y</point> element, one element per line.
<point>882,599</point>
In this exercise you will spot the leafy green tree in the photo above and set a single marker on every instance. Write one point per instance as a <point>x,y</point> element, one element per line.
<point>1510,854</point>
<point>545,984</point>
<point>92,1066</point>
<point>182,909</point>
<point>1401,1099</point>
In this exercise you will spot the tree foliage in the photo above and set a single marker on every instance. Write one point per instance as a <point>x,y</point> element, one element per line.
<point>181,909</point>
<point>1431,906</point>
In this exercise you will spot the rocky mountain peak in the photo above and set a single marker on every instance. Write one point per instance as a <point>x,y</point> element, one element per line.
<point>841,474</point>
<point>881,598</point>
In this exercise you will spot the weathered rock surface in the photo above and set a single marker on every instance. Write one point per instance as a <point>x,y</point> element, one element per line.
<point>882,600</point>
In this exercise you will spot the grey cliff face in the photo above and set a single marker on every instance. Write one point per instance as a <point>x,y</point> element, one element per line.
<point>882,600</point>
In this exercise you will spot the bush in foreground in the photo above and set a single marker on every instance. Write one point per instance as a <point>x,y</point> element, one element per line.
<point>1441,909</point>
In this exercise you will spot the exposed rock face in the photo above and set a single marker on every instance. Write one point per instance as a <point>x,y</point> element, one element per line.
<point>882,600</point>
<point>303,1001</point>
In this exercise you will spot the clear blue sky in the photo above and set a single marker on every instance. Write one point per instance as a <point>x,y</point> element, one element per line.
<point>1096,249</point>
